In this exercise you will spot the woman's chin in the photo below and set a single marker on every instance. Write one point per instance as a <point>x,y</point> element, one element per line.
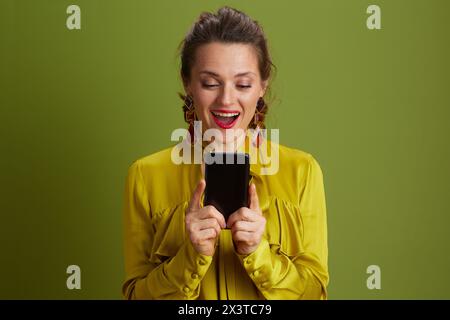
<point>226,139</point>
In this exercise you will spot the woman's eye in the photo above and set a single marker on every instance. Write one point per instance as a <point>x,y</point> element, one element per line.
<point>209,85</point>
<point>214,85</point>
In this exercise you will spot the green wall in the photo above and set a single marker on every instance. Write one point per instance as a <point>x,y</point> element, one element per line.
<point>78,106</point>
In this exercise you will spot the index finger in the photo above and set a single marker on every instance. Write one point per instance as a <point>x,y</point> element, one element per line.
<point>254,200</point>
<point>194,204</point>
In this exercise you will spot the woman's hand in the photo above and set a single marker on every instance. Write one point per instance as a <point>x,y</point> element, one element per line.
<point>247,225</point>
<point>203,224</point>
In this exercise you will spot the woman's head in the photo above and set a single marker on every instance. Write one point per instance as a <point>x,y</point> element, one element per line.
<point>225,68</point>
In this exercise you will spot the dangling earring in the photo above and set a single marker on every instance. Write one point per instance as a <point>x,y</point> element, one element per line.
<point>258,118</point>
<point>189,115</point>
<point>258,121</point>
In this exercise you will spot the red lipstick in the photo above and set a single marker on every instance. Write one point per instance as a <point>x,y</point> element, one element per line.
<point>225,119</point>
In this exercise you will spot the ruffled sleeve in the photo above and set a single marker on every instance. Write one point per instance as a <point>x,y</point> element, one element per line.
<point>291,260</point>
<point>159,264</point>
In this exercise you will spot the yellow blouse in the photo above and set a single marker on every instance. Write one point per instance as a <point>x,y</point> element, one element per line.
<point>161,263</point>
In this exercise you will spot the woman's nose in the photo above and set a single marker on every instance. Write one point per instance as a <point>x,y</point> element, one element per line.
<point>227,95</point>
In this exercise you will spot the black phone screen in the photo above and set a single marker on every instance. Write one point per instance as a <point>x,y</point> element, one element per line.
<point>227,178</point>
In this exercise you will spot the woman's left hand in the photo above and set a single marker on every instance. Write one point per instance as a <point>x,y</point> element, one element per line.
<point>247,225</point>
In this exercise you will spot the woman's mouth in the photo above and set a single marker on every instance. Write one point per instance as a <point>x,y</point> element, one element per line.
<point>225,118</point>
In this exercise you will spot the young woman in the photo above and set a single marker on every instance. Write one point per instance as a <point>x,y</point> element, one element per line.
<point>176,248</point>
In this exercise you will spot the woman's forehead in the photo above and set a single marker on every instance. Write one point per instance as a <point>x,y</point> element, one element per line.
<point>224,59</point>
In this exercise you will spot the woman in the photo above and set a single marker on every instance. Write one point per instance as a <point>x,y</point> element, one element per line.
<point>175,248</point>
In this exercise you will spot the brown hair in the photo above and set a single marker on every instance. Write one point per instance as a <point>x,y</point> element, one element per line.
<point>228,25</point>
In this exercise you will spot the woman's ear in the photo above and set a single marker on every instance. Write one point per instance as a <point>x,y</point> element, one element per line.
<point>187,88</point>
<point>263,87</point>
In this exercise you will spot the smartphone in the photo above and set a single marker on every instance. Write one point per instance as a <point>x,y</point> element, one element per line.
<point>227,177</point>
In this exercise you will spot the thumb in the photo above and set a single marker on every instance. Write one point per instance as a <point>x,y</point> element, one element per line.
<point>254,201</point>
<point>195,200</point>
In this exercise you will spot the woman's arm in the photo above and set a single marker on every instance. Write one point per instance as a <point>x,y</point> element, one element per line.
<point>280,277</point>
<point>304,275</point>
<point>176,278</point>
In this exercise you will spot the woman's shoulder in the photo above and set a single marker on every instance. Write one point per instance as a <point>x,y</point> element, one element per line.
<point>159,174</point>
<point>297,169</point>
<point>158,166</point>
<point>159,160</point>
<point>294,154</point>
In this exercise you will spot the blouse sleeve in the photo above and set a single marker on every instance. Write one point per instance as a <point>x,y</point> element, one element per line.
<point>177,277</point>
<point>300,272</point>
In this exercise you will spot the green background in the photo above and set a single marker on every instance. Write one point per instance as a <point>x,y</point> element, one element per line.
<point>77,107</point>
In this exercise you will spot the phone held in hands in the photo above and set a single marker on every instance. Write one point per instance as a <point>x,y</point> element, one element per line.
<point>227,177</point>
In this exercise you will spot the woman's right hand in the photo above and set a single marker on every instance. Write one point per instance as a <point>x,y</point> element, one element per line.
<point>203,224</point>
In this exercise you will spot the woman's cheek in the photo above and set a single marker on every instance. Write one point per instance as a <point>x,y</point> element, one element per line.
<point>249,111</point>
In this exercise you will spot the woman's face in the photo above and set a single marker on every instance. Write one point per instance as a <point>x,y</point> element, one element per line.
<point>225,86</point>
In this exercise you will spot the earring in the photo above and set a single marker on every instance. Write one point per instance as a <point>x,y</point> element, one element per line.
<point>189,115</point>
<point>188,109</point>
<point>258,118</point>
<point>258,121</point>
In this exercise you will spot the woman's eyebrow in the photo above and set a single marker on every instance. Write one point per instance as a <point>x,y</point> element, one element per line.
<point>211,73</point>
<point>245,74</point>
